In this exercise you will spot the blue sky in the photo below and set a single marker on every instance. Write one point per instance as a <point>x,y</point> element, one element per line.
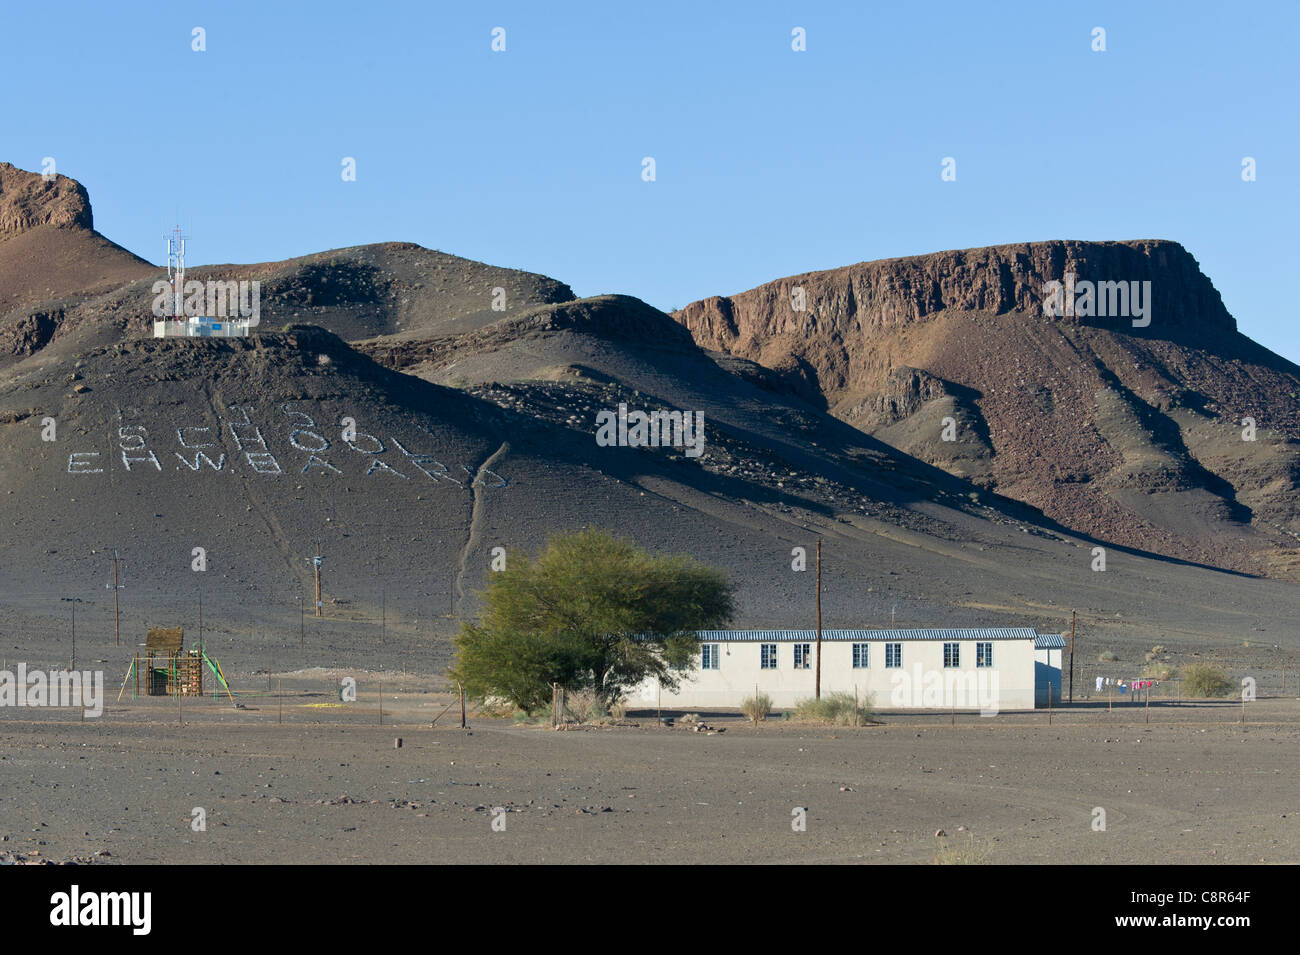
<point>769,162</point>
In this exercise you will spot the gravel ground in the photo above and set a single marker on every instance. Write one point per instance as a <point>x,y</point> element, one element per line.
<point>327,786</point>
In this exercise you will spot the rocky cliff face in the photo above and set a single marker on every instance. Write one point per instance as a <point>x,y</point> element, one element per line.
<point>28,200</point>
<point>50,254</point>
<point>1132,433</point>
<point>893,293</point>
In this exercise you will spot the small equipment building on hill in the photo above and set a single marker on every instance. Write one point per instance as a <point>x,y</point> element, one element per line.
<point>988,669</point>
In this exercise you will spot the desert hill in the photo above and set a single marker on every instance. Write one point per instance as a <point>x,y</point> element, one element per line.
<point>615,348</point>
<point>236,446</point>
<point>65,287</point>
<point>392,289</point>
<point>1132,433</point>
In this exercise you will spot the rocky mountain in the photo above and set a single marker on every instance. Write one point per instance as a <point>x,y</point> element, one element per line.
<point>1139,415</point>
<point>409,411</point>
<point>50,253</point>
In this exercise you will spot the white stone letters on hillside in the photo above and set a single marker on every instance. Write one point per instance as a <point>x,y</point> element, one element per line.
<point>261,444</point>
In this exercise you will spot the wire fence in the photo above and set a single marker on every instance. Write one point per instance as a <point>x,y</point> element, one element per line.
<point>249,642</point>
<point>1109,682</point>
<point>249,638</point>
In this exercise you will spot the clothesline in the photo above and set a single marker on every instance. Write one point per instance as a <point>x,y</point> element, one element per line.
<point>1125,686</point>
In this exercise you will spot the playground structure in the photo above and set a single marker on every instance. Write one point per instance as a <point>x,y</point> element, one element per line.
<point>169,670</point>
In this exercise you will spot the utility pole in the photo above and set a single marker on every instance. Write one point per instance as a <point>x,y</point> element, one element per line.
<point>316,563</point>
<point>74,635</point>
<point>117,618</point>
<point>1072,616</point>
<point>817,681</point>
<point>302,625</point>
<point>383,598</point>
<point>203,654</point>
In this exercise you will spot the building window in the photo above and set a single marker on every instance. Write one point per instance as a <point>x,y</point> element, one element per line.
<point>768,651</point>
<point>860,655</point>
<point>952,654</point>
<point>801,655</point>
<point>893,656</point>
<point>983,655</point>
<point>709,657</point>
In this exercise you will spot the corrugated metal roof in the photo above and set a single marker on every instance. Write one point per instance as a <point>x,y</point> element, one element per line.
<point>776,636</point>
<point>1049,641</point>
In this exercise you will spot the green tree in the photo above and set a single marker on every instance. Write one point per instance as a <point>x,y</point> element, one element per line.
<point>591,611</point>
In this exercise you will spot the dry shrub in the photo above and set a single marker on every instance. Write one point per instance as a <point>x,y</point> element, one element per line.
<point>1205,680</point>
<point>756,707</point>
<point>837,709</point>
<point>580,706</point>
<point>971,853</point>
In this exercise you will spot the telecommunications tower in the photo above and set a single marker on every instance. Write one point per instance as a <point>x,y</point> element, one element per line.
<point>227,297</point>
<point>176,273</point>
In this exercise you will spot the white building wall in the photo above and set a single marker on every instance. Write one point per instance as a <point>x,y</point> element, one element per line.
<point>921,683</point>
<point>1047,678</point>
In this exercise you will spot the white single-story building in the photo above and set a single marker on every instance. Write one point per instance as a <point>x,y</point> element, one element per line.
<point>1048,648</point>
<point>987,669</point>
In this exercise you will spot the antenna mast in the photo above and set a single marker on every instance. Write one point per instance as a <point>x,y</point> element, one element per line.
<point>176,272</point>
